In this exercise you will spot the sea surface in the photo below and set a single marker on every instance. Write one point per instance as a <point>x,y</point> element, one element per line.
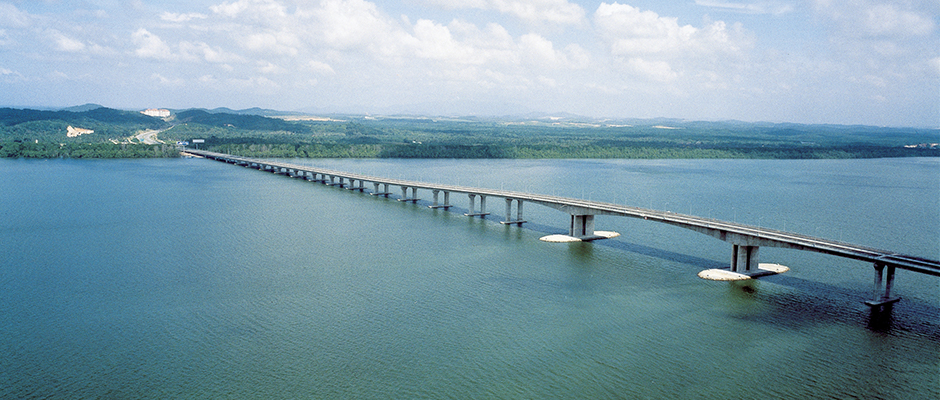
<point>190,278</point>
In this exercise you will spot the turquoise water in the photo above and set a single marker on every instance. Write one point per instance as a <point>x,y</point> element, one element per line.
<point>190,278</point>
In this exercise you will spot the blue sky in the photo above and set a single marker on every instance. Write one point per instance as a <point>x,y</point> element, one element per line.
<point>870,62</point>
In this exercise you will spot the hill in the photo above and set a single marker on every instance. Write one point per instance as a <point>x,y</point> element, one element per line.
<point>51,126</point>
<point>559,135</point>
<point>248,122</point>
<point>82,108</point>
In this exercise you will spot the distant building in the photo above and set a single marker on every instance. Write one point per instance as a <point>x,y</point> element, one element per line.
<point>156,112</point>
<point>76,132</point>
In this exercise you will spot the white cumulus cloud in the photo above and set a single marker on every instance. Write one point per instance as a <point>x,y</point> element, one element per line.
<point>540,11</point>
<point>629,30</point>
<point>660,48</point>
<point>150,45</point>
<point>541,52</point>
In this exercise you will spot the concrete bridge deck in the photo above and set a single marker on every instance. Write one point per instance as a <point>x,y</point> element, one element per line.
<point>745,239</point>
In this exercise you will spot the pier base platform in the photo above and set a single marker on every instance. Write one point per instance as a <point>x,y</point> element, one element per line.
<point>567,239</point>
<point>882,302</point>
<point>726,274</point>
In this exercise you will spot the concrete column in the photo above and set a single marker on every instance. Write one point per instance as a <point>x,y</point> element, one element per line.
<point>881,296</point>
<point>446,200</point>
<point>435,194</point>
<point>744,259</point>
<point>509,220</point>
<point>472,212</point>
<point>404,194</point>
<point>581,226</point>
<point>877,287</point>
<point>882,287</point>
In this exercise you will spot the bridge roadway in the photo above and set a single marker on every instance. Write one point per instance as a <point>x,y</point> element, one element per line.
<point>746,240</point>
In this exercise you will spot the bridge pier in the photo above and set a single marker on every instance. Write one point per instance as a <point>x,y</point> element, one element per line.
<point>404,194</point>
<point>482,213</point>
<point>581,227</point>
<point>509,221</point>
<point>882,288</point>
<point>336,181</point>
<point>352,185</point>
<point>376,192</point>
<point>744,259</point>
<point>435,204</point>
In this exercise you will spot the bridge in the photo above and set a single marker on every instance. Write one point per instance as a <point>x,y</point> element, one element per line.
<point>745,240</point>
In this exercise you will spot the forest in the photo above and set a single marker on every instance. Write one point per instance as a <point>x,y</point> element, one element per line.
<point>266,133</point>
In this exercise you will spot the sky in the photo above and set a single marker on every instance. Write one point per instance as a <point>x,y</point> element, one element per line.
<point>870,62</point>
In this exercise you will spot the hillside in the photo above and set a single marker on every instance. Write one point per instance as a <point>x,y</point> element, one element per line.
<point>533,136</point>
<point>52,126</point>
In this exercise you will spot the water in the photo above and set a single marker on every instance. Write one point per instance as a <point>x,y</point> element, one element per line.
<point>190,278</point>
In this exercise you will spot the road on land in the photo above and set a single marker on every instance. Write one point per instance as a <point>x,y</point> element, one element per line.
<point>150,136</point>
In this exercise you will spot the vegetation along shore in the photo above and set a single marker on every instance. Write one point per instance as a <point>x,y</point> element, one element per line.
<point>111,133</point>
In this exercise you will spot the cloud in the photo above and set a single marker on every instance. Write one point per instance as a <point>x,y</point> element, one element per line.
<point>659,71</point>
<point>205,52</point>
<point>320,68</point>
<point>174,17</point>
<point>281,43</point>
<point>167,81</point>
<point>870,18</point>
<point>349,24</point>
<point>888,20</point>
<point>267,67</point>
<point>631,31</point>
<point>541,52</point>
<point>12,17</point>
<point>67,44</point>
<point>533,11</point>
<point>8,75</point>
<point>760,7</point>
<point>660,49</point>
<point>150,45</point>
<point>251,8</point>
<point>461,43</point>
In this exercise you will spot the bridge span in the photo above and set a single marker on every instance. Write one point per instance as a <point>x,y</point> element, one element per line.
<point>745,240</point>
